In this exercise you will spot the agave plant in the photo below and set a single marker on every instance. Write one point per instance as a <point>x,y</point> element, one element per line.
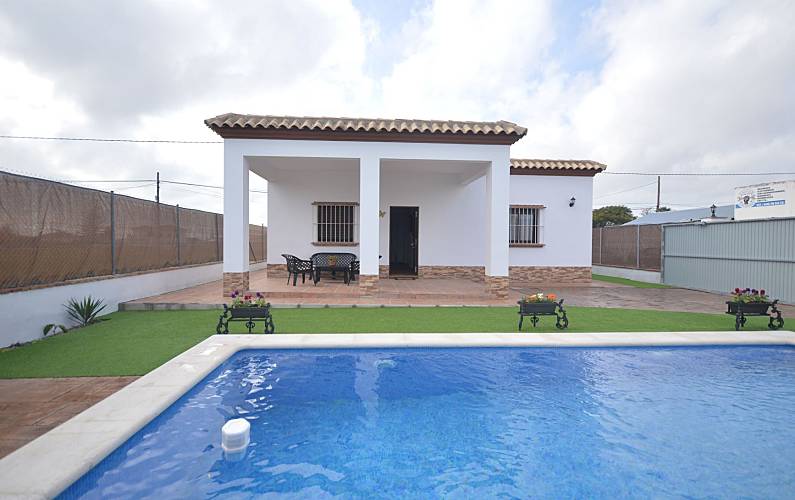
<point>85,311</point>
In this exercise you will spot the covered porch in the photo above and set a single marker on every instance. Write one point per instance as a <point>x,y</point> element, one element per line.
<point>439,175</point>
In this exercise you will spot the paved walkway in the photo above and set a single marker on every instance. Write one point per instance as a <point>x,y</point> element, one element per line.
<point>31,407</point>
<point>629,297</point>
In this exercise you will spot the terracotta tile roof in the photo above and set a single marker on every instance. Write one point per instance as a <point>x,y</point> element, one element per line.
<point>307,127</point>
<point>583,166</point>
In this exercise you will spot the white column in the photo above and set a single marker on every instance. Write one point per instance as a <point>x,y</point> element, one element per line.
<point>369,206</point>
<point>497,203</point>
<point>235,212</point>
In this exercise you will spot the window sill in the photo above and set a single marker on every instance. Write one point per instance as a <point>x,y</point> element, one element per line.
<point>333,244</point>
<point>526,245</point>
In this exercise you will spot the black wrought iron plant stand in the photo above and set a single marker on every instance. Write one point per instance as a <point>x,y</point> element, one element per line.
<point>247,314</point>
<point>535,309</point>
<point>741,311</point>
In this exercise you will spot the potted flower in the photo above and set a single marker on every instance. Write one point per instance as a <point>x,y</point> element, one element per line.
<point>538,303</point>
<point>541,304</point>
<point>246,307</point>
<point>749,301</point>
<point>753,302</point>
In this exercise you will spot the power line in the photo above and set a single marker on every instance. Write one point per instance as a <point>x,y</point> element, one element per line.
<point>698,174</point>
<point>115,181</point>
<point>626,190</point>
<point>96,139</point>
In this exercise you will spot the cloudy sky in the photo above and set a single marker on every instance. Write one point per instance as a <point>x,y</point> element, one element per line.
<point>679,86</point>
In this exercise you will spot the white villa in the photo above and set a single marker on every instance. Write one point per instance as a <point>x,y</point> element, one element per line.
<point>408,197</point>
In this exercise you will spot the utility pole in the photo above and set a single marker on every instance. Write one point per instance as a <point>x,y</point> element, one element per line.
<point>157,194</point>
<point>658,193</point>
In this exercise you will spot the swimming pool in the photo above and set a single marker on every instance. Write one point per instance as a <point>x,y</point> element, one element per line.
<point>473,422</point>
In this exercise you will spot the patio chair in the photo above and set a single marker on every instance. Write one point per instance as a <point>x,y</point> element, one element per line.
<point>334,263</point>
<point>354,269</point>
<point>296,266</point>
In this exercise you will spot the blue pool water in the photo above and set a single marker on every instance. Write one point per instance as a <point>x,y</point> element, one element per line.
<point>474,423</point>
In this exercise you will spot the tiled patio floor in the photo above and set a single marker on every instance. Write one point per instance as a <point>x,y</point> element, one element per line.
<point>31,407</point>
<point>448,292</point>
<point>335,292</point>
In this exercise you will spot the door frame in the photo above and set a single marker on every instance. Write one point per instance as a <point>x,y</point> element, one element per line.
<point>416,223</point>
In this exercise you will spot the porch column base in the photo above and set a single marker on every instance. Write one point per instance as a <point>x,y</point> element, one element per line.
<point>497,286</point>
<point>235,282</point>
<point>368,284</point>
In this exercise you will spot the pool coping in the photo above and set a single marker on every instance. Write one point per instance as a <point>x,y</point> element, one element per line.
<point>49,464</point>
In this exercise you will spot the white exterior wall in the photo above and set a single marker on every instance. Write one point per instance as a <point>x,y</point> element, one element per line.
<point>452,216</point>
<point>460,224</point>
<point>445,204</point>
<point>291,213</point>
<point>566,231</point>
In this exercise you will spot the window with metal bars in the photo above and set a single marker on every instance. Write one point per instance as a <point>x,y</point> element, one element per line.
<point>525,225</point>
<point>335,223</point>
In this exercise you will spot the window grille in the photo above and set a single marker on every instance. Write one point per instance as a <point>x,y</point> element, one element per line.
<point>525,225</point>
<point>335,223</point>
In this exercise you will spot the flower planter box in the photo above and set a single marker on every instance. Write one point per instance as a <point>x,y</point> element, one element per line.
<point>535,309</point>
<point>740,311</point>
<point>528,308</point>
<point>247,314</point>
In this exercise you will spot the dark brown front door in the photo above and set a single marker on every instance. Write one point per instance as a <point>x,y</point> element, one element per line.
<point>404,225</point>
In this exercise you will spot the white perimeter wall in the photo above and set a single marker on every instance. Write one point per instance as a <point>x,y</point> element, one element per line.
<point>566,230</point>
<point>24,314</point>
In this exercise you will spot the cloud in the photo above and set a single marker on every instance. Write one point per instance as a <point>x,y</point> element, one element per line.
<point>641,86</point>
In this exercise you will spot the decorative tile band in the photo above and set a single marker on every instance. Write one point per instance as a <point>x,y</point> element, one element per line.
<point>497,286</point>
<point>368,284</point>
<point>235,281</point>
<point>551,274</point>
<point>473,273</point>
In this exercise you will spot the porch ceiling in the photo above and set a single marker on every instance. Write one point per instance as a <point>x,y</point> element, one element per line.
<point>273,167</point>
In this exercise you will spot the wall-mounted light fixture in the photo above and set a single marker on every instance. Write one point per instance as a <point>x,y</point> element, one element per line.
<point>571,201</point>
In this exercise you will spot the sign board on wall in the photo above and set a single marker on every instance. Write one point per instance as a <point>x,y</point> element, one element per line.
<point>762,201</point>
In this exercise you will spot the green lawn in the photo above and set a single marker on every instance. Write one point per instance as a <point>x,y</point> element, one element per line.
<point>624,281</point>
<point>133,343</point>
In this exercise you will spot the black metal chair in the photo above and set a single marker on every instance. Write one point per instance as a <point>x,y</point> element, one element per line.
<point>334,263</point>
<point>354,269</point>
<point>296,266</point>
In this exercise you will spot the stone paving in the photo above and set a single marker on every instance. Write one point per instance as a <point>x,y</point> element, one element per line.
<point>423,291</point>
<point>629,297</point>
<point>31,407</point>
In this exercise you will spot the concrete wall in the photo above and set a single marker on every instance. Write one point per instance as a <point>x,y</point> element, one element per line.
<point>630,274</point>
<point>24,314</point>
<point>566,231</point>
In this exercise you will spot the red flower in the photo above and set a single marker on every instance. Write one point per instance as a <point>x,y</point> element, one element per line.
<point>736,290</point>
<point>761,292</point>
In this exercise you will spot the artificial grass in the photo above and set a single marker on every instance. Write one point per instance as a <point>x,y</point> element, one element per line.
<point>624,281</point>
<point>134,343</point>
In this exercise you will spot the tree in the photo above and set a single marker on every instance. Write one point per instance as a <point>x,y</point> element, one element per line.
<point>612,215</point>
<point>663,209</point>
